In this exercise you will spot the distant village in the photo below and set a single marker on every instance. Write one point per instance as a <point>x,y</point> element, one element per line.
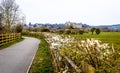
<point>104,28</point>
<point>56,26</point>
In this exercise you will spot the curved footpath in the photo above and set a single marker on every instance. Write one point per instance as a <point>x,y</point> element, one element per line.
<point>17,58</point>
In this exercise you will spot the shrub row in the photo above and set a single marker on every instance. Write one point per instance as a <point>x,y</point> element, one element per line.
<point>71,31</point>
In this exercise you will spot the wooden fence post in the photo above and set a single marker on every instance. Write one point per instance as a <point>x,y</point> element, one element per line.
<point>6,38</point>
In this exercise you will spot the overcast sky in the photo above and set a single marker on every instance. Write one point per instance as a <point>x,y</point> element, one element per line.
<point>92,12</point>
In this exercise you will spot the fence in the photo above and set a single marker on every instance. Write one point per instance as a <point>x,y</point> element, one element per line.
<point>62,63</point>
<point>6,38</point>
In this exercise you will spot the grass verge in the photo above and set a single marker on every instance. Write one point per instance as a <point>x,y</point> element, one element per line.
<point>11,43</point>
<point>42,62</point>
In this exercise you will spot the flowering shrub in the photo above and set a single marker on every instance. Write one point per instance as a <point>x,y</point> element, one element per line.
<point>100,56</point>
<point>89,54</point>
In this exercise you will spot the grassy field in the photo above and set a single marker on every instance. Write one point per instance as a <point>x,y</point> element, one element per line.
<point>105,37</point>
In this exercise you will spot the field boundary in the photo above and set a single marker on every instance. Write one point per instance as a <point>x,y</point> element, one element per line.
<point>6,38</point>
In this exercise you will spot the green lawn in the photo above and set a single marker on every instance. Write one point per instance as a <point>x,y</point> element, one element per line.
<point>105,37</point>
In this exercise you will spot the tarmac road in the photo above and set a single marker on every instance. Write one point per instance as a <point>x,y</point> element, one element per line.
<point>18,58</point>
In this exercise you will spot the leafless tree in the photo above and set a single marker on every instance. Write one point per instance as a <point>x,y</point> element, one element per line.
<point>0,22</point>
<point>9,9</point>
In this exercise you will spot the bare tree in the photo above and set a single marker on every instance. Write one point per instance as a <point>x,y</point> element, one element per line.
<point>0,22</point>
<point>9,9</point>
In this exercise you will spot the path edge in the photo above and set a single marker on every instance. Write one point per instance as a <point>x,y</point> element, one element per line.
<point>32,59</point>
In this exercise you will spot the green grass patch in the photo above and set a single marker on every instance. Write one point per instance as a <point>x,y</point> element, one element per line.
<point>42,62</point>
<point>11,43</point>
<point>105,37</point>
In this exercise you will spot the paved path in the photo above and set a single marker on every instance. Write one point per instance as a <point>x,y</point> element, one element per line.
<point>18,57</point>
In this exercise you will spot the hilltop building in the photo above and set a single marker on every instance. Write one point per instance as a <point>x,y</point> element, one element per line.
<point>75,25</point>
